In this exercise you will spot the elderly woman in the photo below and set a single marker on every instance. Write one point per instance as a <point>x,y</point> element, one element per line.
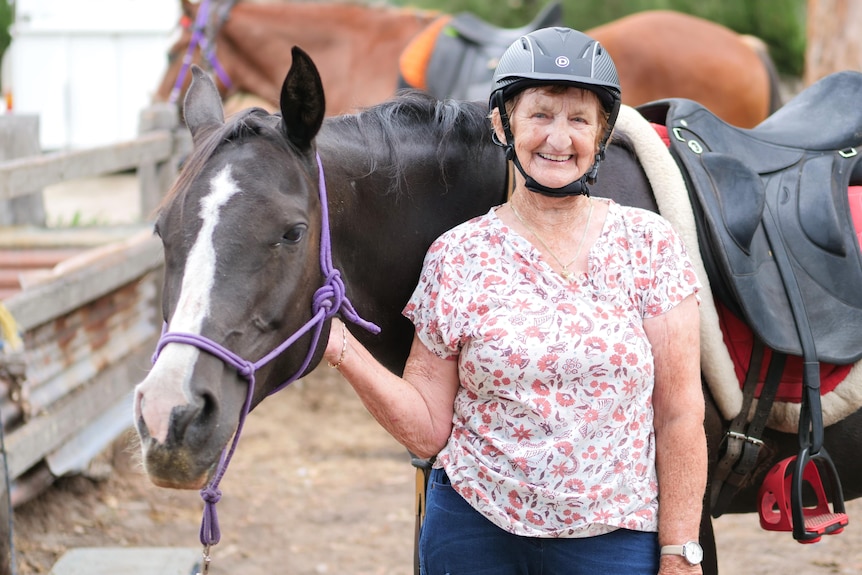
<point>554,373</point>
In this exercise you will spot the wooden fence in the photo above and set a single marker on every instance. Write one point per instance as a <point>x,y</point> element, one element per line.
<point>80,315</point>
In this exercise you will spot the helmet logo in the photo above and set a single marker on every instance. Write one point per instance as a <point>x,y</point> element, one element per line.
<point>562,62</point>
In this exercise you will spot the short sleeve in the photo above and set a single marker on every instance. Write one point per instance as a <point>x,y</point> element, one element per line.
<point>667,275</point>
<point>433,307</point>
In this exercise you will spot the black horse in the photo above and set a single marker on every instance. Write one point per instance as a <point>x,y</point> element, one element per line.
<point>278,222</point>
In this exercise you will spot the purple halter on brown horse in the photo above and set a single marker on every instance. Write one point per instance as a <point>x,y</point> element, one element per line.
<point>259,257</point>
<point>363,52</point>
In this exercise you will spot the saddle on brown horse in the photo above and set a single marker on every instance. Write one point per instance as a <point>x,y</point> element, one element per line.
<point>781,251</point>
<point>455,56</point>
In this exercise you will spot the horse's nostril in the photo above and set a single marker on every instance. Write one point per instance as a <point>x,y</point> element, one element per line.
<point>209,407</point>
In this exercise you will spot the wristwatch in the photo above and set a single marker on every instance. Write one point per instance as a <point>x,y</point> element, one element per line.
<point>691,551</point>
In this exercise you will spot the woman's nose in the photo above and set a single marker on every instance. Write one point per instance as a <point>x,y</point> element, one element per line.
<point>560,135</point>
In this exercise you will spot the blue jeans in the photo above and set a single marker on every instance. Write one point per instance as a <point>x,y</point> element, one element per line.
<point>457,540</point>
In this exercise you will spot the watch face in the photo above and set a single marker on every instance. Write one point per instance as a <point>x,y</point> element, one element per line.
<point>693,552</point>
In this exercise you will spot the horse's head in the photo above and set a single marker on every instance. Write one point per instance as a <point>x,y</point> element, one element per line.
<point>241,236</point>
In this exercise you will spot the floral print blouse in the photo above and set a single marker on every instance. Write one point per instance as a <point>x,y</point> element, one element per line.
<point>553,422</point>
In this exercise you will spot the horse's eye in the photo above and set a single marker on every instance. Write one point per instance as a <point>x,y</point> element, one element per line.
<point>294,234</point>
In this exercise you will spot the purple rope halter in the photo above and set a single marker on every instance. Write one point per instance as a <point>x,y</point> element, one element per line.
<point>199,38</point>
<point>328,300</point>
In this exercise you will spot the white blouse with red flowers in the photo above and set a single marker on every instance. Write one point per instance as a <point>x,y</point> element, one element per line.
<point>553,423</point>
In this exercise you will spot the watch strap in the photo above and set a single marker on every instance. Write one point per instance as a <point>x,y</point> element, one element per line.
<point>672,550</point>
<point>691,551</point>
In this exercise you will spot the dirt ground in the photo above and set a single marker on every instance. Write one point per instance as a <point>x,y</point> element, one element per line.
<point>317,487</point>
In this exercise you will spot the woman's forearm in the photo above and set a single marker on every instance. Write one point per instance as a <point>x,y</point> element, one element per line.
<point>415,409</point>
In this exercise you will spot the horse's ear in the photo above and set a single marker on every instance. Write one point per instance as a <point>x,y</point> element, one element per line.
<point>302,103</point>
<point>202,107</point>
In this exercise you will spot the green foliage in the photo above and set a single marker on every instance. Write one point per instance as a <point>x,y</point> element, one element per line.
<point>78,220</point>
<point>5,22</point>
<point>779,23</point>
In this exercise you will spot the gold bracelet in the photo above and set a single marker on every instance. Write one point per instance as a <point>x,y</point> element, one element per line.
<point>337,364</point>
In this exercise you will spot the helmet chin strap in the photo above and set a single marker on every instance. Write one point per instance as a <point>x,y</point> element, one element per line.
<point>580,187</point>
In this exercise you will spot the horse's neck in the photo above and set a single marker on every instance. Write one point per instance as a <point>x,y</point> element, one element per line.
<point>319,24</point>
<point>355,47</point>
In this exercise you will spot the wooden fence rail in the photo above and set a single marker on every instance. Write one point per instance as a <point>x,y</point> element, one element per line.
<point>155,155</point>
<point>88,321</point>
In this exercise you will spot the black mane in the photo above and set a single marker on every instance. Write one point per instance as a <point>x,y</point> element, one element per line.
<point>411,127</point>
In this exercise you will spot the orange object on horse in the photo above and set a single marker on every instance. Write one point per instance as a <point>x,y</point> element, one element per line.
<point>357,48</point>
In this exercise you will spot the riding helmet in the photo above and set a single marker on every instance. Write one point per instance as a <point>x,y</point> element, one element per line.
<point>557,56</point>
<point>560,56</point>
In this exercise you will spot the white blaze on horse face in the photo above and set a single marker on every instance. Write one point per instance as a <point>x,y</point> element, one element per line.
<point>168,383</point>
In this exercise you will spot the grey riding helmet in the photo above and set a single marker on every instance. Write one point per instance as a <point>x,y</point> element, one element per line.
<point>557,56</point>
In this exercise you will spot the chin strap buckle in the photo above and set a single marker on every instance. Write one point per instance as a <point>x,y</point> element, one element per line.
<point>780,500</point>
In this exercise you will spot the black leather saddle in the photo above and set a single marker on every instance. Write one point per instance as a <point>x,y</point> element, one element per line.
<point>781,252</point>
<point>466,52</point>
<point>773,215</point>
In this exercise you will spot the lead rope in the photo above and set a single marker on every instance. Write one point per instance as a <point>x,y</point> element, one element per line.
<point>328,300</point>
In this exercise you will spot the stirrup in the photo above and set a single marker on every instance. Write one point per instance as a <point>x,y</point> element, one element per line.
<point>780,498</point>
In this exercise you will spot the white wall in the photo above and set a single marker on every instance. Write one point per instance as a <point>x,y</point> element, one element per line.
<point>88,67</point>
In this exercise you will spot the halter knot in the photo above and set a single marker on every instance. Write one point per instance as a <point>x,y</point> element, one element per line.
<point>210,533</point>
<point>246,369</point>
<point>210,494</point>
<point>330,296</point>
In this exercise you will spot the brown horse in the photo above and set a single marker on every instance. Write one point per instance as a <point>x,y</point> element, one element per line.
<point>356,47</point>
<point>663,54</point>
<point>658,54</point>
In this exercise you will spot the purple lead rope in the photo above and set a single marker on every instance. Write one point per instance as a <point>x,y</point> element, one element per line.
<point>329,300</point>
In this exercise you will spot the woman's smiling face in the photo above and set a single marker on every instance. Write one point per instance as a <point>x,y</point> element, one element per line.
<point>557,133</point>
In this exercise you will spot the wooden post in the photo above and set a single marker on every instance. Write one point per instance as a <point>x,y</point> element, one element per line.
<point>7,551</point>
<point>12,368</point>
<point>156,178</point>
<point>19,137</point>
<point>833,38</point>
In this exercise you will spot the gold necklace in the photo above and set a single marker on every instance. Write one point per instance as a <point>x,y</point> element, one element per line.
<point>565,273</point>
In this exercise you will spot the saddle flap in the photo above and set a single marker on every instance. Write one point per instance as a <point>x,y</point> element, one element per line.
<point>818,216</point>
<point>741,198</point>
